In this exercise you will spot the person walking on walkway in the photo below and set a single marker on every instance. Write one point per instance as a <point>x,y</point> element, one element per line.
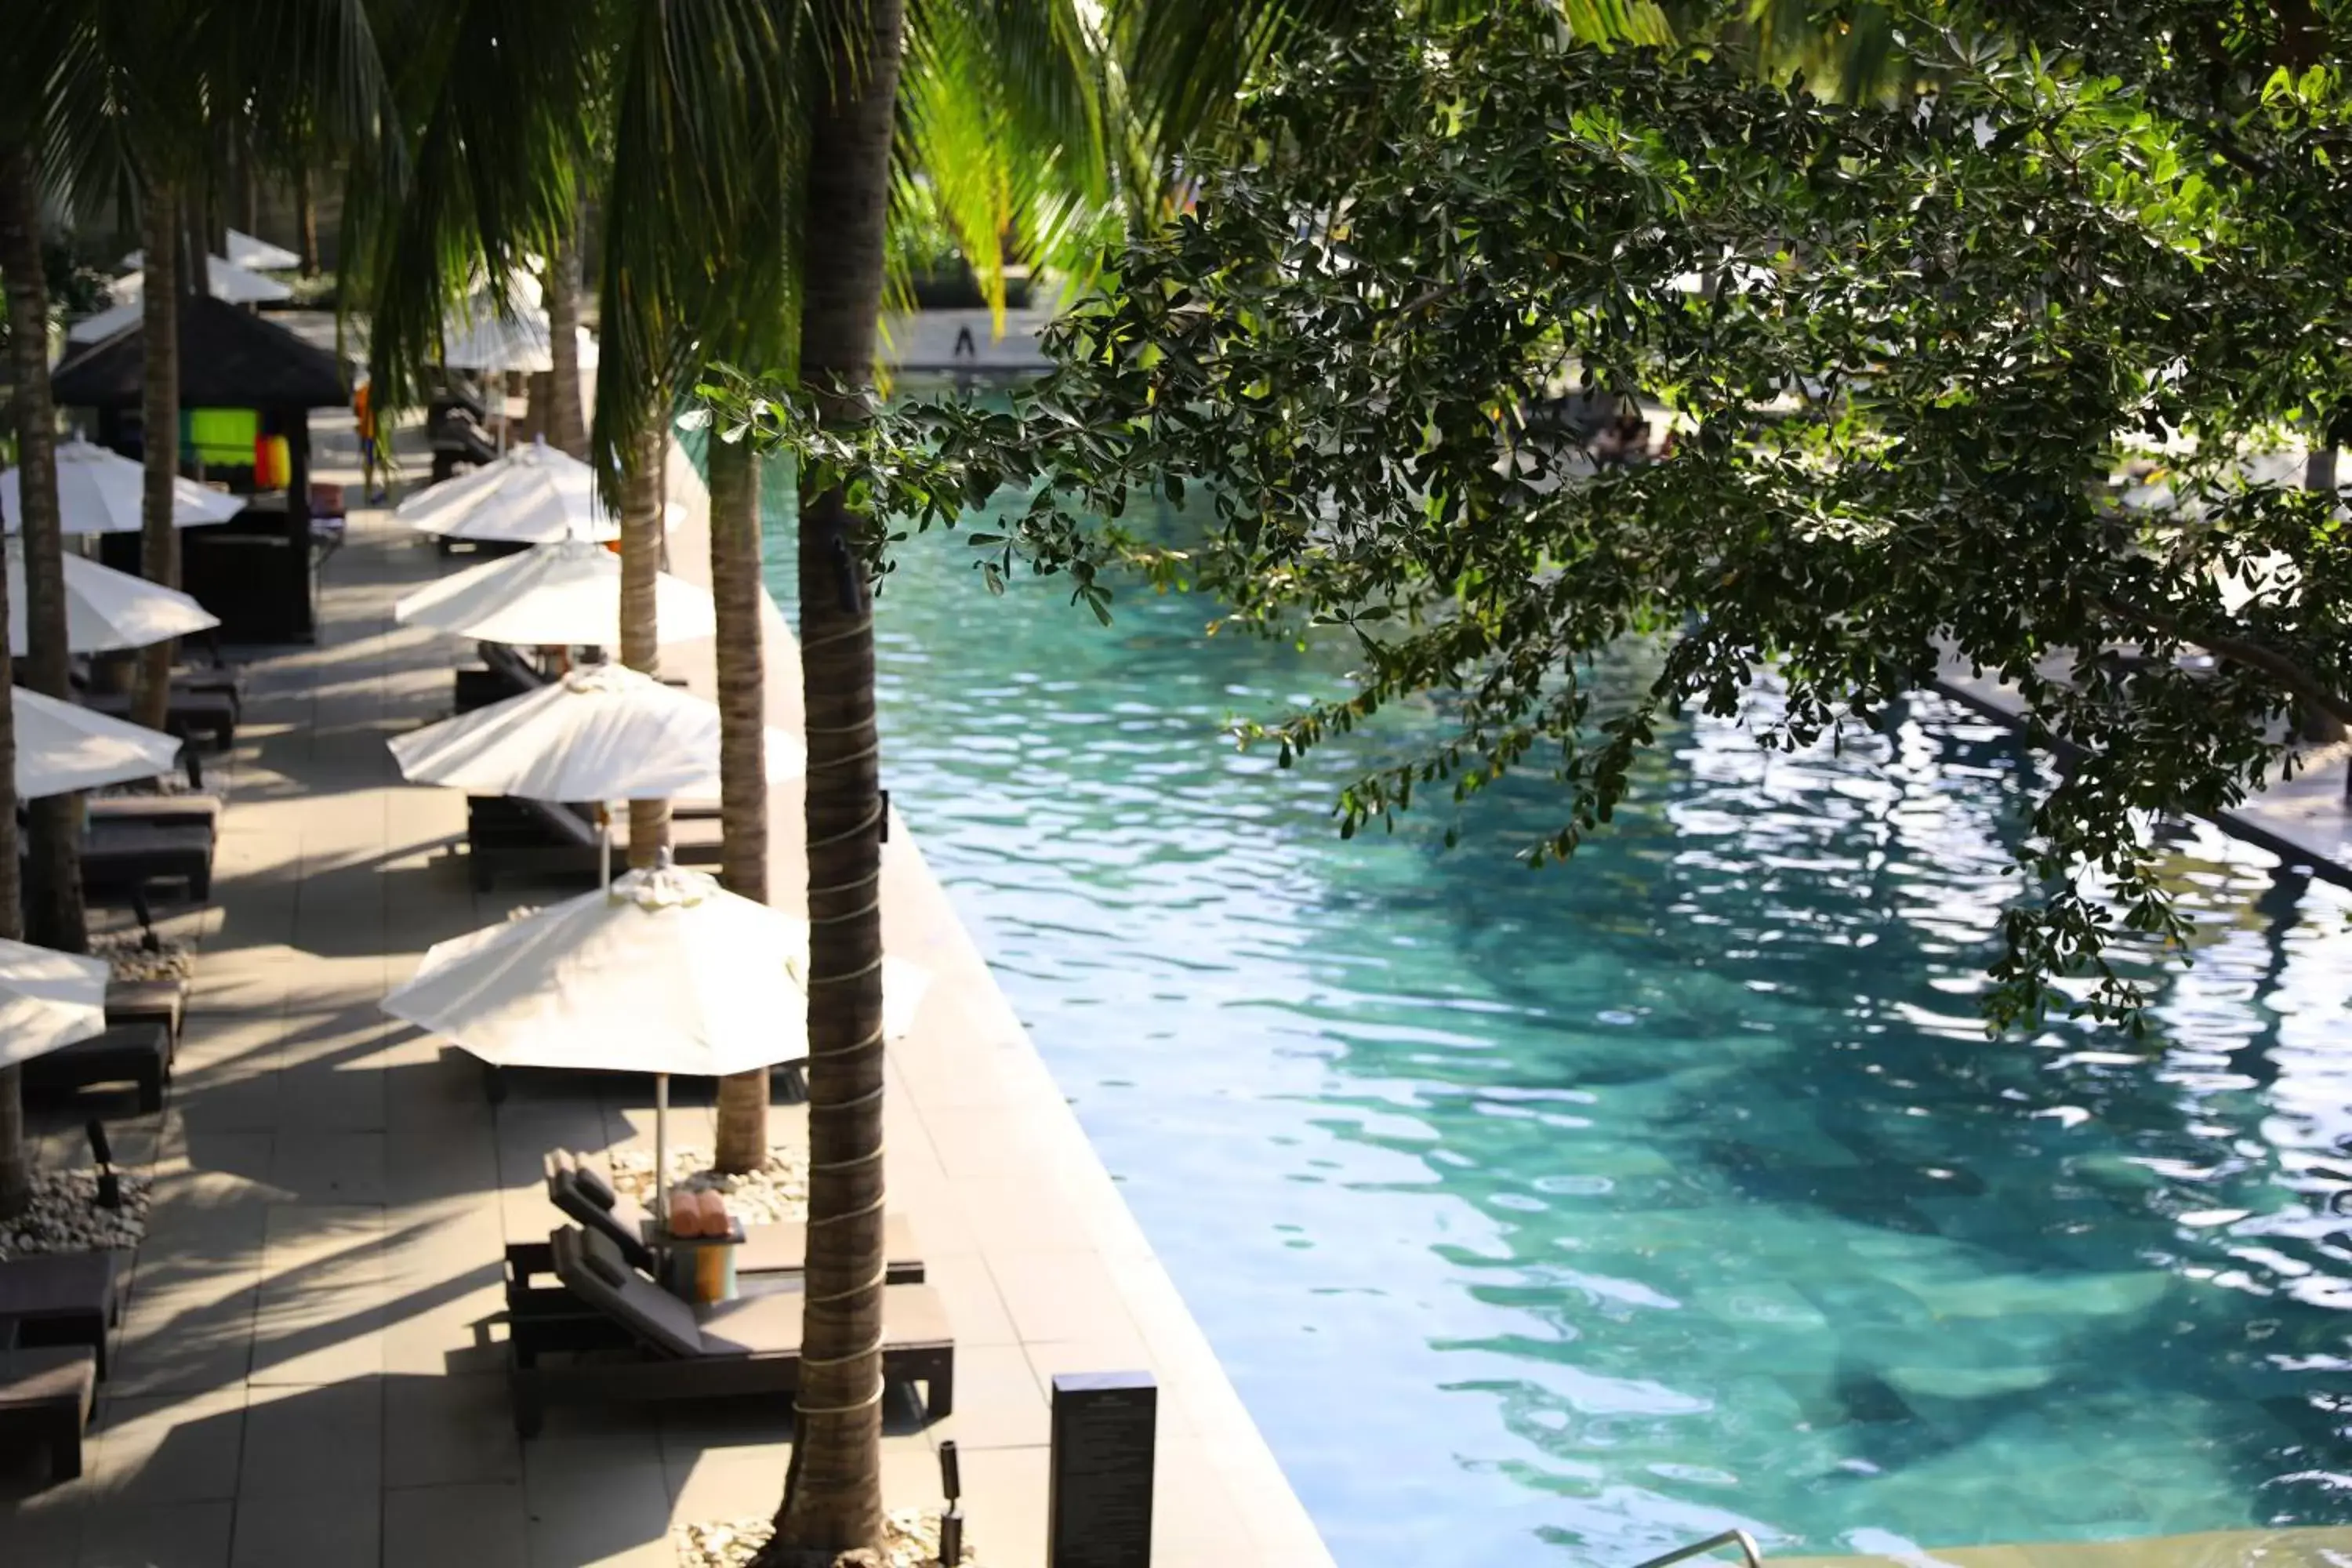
<point>363,411</point>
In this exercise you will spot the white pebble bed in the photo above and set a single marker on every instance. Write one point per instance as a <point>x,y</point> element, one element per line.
<point>160,785</point>
<point>778,1190</point>
<point>127,957</point>
<point>65,1216</point>
<point>911,1540</point>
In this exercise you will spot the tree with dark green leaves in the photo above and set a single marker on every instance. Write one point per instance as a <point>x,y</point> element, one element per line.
<point>1901,342</point>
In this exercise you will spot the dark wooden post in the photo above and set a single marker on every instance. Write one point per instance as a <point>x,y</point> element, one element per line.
<point>301,620</point>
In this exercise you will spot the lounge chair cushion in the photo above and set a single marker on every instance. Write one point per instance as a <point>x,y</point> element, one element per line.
<point>650,1313</point>
<point>616,1224</point>
<point>607,1267</point>
<point>598,1190</point>
<point>753,1325</point>
<point>771,1324</point>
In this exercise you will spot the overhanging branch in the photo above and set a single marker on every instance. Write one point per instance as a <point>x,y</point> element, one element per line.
<point>2270,661</point>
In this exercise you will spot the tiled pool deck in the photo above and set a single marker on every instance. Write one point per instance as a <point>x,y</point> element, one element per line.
<point>307,1371</point>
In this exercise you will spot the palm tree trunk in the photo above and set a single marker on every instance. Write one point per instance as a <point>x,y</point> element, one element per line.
<point>57,917</point>
<point>565,428</point>
<point>641,545</point>
<point>29,332</point>
<point>159,541</point>
<point>742,752</point>
<point>247,191</point>
<point>832,1492</point>
<point>306,212</point>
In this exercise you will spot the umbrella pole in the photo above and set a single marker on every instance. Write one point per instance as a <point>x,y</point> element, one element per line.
<point>605,841</point>
<point>661,1154</point>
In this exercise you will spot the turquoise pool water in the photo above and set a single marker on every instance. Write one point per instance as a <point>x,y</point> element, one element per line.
<point>1564,1217</point>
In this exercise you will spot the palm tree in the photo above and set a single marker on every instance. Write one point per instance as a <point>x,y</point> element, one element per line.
<point>28,338</point>
<point>54,821</point>
<point>832,1501</point>
<point>699,271</point>
<point>566,425</point>
<point>735,583</point>
<point>641,543</point>
<point>158,103</point>
<point>159,541</point>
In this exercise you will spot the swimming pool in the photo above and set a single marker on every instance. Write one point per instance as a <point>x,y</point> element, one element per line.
<point>1568,1216</point>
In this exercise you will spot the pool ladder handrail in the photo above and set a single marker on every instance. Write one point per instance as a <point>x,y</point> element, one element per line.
<point>1740,1538</point>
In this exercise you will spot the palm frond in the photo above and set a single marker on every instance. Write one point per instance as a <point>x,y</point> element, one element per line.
<point>496,96</point>
<point>1002,118</point>
<point>701,209</point>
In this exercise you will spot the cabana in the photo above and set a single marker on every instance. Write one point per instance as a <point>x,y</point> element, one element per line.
<point>246,389</point>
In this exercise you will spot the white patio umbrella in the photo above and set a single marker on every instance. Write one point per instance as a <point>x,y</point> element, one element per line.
<point>563,593</point>
<point>603,732</point>
<point>47,1000</point>
<point>662,972</point>
<point>496,343</point>
<point>259,254</point>
<point>224,279</point>
<point>63,746</point>
<point>532,495</point>
<point>99,491</point>
<point>106,610</point>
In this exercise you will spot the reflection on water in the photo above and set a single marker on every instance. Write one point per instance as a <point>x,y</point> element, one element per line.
<point>1610,1206</point>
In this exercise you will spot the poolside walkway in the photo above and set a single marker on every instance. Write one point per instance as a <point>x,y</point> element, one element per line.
<point>309,1370</point>
<point>2305,820</point>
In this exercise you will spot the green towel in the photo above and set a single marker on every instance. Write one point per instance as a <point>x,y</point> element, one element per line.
<point>219,437</point>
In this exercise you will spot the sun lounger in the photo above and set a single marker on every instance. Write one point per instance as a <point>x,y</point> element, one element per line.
<point>583,1195</point>
<point>46,1396</point>
<point>140,1054</point>
<point>211,715</point>
<point>120,859</point>
<point>748,1346</point>
<point>217,681</point>
<point>158,810</point>
<point>509,837</point>
<point>151,1002</point>
<point>60,1299</point>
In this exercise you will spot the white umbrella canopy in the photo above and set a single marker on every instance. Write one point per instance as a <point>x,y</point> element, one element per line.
<point>47,1000</point>
<point>100,491</point>
<point>224,279</point>
<point>601,733</point>
<point>662,972</point>
<point>62,747</point>
<point>106,610</point>
<point>97,329</point>
<point>258,254</point>
<point>532,495</point>
<point>496,343</point>
<point>567,593</point>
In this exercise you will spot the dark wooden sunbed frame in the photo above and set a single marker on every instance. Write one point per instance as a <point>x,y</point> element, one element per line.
<point>47,1394</point>
<point>123,858</point>
<point>139,1053</point>
<point>509,837</point>
<point>602,1371</point>
<point>161,1001</point>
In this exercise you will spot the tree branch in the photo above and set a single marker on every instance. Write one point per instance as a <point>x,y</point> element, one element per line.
<point>2270,661</point>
